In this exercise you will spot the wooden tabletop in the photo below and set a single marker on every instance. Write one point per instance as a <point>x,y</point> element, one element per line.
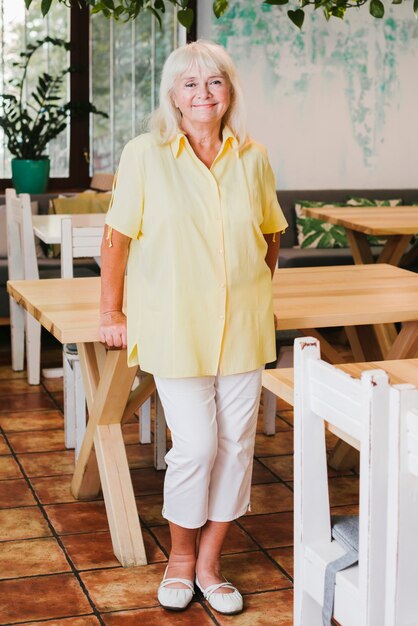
<point>371,220</point>
<point>280,381</point>
<point>314,297</point>
<point>346,295</point>
<point>48,227</point>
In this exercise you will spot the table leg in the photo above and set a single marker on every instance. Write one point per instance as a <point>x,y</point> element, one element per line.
<point>411,256</point>
<point>394,249</point>
<point>343,456</point>
<point>122,514</point>
<point>108,396</point>
<point>406,344</point>
<point>360,248</point>
<point>364,343</point>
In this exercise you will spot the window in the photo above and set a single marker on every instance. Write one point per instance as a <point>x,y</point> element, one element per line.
<point>19,27</point>
<point>126,60</point>
<point>126,64</point>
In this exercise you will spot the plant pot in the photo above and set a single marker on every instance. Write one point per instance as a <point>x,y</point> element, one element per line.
<point>30,176</point>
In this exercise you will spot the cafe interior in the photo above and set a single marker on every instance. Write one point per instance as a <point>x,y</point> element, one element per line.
<point>330,534</point>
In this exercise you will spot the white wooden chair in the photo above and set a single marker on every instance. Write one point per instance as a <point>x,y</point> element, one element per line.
<point>358,411</point>
<point>77,242</point>
<point>22,264</point>
<point>402,533</point>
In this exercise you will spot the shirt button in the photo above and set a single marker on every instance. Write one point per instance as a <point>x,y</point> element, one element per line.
<point>222,317</point>
<point>223,285</point>
<point>221,251</point>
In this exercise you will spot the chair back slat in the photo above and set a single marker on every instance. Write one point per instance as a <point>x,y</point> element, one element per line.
<point>79,242</point>
<point>402,514</point>
<point>21,250</point>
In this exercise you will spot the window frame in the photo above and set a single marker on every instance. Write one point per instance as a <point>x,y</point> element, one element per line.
<point>79,177</point>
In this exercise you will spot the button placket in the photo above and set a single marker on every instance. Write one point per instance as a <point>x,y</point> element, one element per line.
<point>221,252</point>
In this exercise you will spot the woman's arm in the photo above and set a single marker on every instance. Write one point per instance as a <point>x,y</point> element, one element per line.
<point>273,243</point>
<point>113,264</point>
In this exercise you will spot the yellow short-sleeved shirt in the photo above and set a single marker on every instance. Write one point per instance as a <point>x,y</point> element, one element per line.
<point>199,295</point>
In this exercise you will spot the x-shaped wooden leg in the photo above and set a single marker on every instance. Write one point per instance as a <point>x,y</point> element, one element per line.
<point>102,460</point>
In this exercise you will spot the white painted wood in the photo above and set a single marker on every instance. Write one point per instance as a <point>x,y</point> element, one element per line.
<point>144,420</point>
<point>160,435</point>
<point>269,412</point>
<point>48,227</point>
<point>22,264</point>
<point>69,403</point>
<point>76,242</point>
<point>80,407</point>
<point>359,408</point>
<point>402,538</point>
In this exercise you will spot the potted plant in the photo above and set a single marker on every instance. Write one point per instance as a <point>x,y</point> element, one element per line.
<point>31,122</point>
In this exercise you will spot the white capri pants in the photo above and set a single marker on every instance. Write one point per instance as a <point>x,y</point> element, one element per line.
<point>213,423</point>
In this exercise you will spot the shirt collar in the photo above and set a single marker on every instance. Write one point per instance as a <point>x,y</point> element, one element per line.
<point>179,140</point>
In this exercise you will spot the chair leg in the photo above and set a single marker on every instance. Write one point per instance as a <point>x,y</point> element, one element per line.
<point>144,414</point>
<point>69,403</point>
<point>311,612</point>
<point>33,350</point>
<point>160,435</point>
<point>17,332</point>
<point>80,407</point>
<point>269,412</point>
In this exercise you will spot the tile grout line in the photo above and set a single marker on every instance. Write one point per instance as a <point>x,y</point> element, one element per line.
<point>266,554</point>
<point>54,533</point>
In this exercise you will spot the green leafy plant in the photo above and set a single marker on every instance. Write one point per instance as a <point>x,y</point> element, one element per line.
<point>130,9</point>
<point>30,123</point>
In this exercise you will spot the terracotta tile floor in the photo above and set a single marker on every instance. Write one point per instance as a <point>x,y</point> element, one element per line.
<point>57,566</point>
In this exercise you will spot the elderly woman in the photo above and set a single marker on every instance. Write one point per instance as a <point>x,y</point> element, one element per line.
<point>195,215</point>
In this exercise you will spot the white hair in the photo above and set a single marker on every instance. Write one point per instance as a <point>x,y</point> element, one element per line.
<point>165,122</point>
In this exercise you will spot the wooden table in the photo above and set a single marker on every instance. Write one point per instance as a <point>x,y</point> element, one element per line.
<point>281,384</point>
<point>48,227</point>
<point>69,309</point>
<point>355,297</point>
<point>304,298</point>
<point>396,224</point>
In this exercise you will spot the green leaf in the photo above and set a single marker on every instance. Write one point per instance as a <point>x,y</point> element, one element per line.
<point>416,8</point>
<point>159,5</point>
<point>156,15</point>
<point>219,7</point>
<point>397,1</point>
<point>339,12</point>
<point>45,6</point>
<point>276,2</point>
<point>186,17</point>
<point>310,240</point>
<point>376,8</point>
<point>28,3</point>
<point>298,16</point>
<point>108,4</point>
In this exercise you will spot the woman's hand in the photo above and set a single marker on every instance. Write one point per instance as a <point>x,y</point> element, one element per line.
<point>113,330</point>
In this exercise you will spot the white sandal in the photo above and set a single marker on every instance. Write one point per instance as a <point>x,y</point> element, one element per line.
<point>175,599</point>
<point>226,603</point>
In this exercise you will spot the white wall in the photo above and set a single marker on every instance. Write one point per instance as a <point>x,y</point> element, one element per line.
<point>336,105</point>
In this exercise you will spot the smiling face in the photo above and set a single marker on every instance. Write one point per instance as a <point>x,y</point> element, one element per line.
<point>202,97</point>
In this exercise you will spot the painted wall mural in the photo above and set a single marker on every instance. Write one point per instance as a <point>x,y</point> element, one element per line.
<point>336,104</point>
